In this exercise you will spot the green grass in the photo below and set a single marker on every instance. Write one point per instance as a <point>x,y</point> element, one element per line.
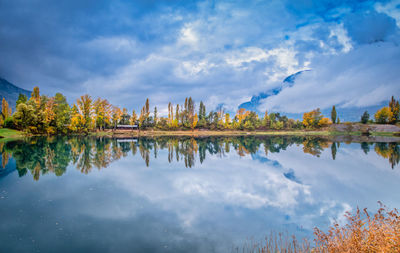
<point>388,134</point>
<point>10,133</point>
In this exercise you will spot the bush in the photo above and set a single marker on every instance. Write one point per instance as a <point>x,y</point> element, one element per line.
<point>9,123</point>
<point>324,122</point>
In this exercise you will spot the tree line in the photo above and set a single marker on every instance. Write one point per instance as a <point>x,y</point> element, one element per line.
<point>41,114</point>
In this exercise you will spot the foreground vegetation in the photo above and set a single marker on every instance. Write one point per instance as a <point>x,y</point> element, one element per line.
<point>364,232</point>
<point>41,114</point>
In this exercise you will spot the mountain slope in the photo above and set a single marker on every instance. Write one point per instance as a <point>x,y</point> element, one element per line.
<point>11,92</point>
<point>255,100</point>
<point>345,114</point>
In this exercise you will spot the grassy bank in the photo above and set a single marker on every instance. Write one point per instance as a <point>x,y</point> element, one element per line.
<point>10,133</point>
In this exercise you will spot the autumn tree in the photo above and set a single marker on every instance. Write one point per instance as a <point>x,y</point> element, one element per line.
<point>102,110</point>
<point>383,115</point>
<point>227,122</point>
<point>241,114</point>
<point>194,121</point>
<point>333,115</point>
<point>133,118</point>
<point>116,116</point>
<point>85,107</point>
<point>77,122</point>
<point>35,96</point>
<point>312,119</point>
<point>5,109</point>
<point>50,116</point>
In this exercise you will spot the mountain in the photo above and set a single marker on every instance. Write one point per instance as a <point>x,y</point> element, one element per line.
<point>11,92</point>
<point>345,114</point>
<point>255,100</point>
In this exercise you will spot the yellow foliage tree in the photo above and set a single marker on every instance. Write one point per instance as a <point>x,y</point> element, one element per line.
<point>242,114</point>
<point>35,96</point>
<point>76,120</point>
<point>116,115</point>
<point>85,109</point>
<point>133,118</point>
<point>5,111</point>
<point>227,121</point>
<point>312,119</point>
<point>384,115</point>
<point>194,121</point>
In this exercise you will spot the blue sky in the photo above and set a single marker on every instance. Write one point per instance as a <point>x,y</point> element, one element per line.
<point>215,51</point>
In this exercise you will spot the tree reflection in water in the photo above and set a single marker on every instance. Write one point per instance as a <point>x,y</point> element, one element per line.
<point>41,155</point>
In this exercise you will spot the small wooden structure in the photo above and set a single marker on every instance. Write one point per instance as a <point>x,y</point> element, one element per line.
<point>127,127</point>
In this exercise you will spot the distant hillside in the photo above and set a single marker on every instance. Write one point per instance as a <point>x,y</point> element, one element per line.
<point>11,92</point>
<point>255,101</point>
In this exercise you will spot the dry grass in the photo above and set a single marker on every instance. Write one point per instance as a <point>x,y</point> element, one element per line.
<point>363,232</point>
<point>274,243</point>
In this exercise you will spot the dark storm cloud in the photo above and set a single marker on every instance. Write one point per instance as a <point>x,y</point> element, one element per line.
<point>370,27</point>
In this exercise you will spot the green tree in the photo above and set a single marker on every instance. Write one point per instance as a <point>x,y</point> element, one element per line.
<point>24,116</point>
<point>147,112</point>
<point>62,112</point>
<point>365,117</point>
<point>21,99</point>
<point>155,116</point>
<point>202,115</point>
<point>333,115</point>
<point>333,150</point>
<point>395,110</point>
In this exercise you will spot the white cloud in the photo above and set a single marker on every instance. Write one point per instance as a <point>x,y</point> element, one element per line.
<point>364,76</point>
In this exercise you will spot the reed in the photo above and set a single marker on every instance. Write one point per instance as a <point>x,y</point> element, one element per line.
<point>379,232</point>
<point>363,232</point>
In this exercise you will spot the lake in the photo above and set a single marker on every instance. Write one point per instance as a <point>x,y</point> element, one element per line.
<point>180,194</point>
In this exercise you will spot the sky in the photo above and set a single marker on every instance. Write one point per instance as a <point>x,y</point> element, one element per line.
<point>220,52</point>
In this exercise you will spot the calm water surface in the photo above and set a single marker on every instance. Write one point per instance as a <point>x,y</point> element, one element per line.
<point>181,194</point>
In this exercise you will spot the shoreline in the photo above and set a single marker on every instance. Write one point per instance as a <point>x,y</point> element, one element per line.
<point>8,134</point>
